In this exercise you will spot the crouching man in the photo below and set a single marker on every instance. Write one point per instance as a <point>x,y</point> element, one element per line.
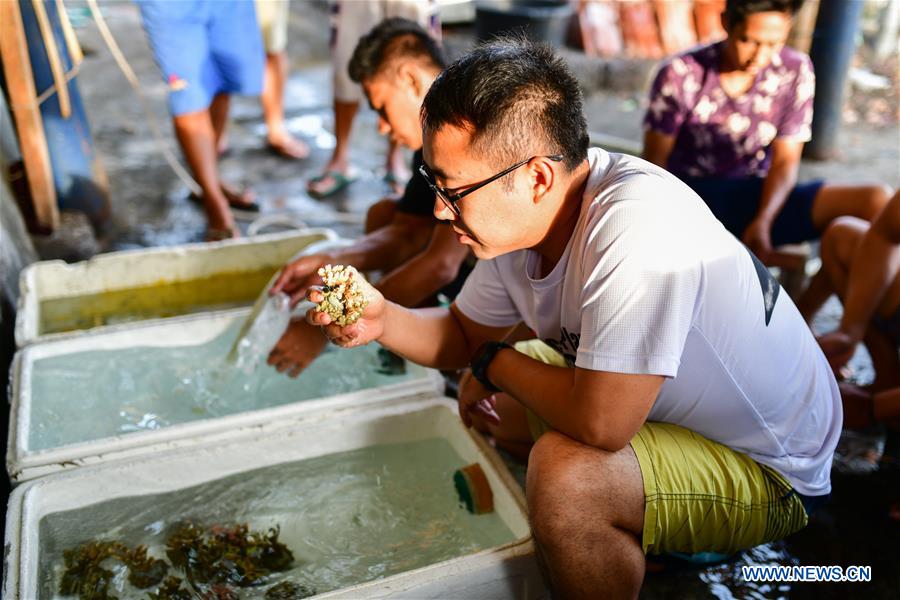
<point>684,404</point>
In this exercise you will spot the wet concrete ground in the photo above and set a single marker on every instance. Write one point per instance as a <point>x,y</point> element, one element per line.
<point>150,208</point>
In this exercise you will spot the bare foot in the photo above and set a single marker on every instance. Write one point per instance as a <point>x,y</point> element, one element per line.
<point>286,145</point>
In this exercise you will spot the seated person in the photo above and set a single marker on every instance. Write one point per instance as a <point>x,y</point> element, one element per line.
<point>730,119</point>
<point>396,63</point>
<point>682,403</point>
<point>862,263</point>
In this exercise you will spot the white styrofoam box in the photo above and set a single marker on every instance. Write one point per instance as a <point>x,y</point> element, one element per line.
<point>135,269</point>
<point>24,463</point>
<point>506,571</point>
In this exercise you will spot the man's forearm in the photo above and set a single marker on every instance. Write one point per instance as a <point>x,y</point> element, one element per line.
<point>875,266</point>
<point>540,387</point>
<point>601,409</point>
<point>412,283</point>
<point>427,336</point>
<point>777,187</point>
<point>383,249</point>
<point>426,272</point>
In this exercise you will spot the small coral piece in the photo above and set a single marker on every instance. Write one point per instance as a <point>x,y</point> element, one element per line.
<point>170,590</point>
<point>288,590</point>
<point>231,555</point>
<point>86,576</point>
<point>344,301</point>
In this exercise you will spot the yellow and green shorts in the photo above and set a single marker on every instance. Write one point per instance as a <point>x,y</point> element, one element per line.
<point>699,495</point>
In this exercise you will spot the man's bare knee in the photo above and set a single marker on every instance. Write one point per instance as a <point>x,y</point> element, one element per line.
<point>552,478</point>
<point>874,198</point>
<point>842,235</point>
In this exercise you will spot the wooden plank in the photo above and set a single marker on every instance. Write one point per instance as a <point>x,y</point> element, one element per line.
<point>56,67</point>
<point>27,115</point>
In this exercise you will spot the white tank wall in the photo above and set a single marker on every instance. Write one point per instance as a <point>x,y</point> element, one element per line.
<point>118,271</point>
<point>24,464</point>
<point>507,571</point>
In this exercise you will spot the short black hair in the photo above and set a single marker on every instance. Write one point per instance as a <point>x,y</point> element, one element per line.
<point>393,38</point>
<point>736,11</point>
<point>515,96</point>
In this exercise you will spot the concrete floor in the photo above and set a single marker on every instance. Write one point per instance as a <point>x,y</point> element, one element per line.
<point>150,208</point>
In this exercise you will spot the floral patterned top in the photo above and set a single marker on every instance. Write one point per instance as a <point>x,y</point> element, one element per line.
<point>717,135</point>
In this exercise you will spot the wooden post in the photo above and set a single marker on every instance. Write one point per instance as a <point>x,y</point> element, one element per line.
<point>56,67</point>
<point>804,24</point>
<point>27,115</point>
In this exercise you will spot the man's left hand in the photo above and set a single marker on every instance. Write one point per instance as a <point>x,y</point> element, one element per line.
<point>475,399</point>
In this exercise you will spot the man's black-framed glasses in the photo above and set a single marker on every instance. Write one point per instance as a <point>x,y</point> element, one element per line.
<point>450,198</point>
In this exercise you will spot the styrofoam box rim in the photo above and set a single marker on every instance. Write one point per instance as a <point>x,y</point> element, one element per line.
<point>24,464</point>
<point>419,419</point>
<point>75,279</point>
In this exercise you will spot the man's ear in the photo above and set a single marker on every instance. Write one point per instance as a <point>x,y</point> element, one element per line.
<point>542,177</point>
<point>408,76</point>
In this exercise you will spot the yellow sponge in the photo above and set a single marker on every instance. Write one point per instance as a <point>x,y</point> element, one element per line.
<point>473,489</point>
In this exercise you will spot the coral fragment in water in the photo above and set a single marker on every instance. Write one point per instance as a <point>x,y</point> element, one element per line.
<point>288,590</point>
<point>226,555</point>
<point>86,577</point>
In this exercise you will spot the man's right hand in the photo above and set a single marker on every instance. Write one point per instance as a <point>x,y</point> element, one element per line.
<point>299,346</point>
<point>297,277</point>
<point>367,328</point>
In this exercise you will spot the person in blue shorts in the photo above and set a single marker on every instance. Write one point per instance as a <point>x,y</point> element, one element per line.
<point>207,50</point>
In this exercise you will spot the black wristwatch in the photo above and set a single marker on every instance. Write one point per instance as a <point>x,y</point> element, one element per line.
<point>482,358</point>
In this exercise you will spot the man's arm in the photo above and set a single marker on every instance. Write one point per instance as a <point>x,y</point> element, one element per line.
<point>438,337</point>
<point>382,249</point>
<point>597,408</point>
<point>777,187</point>
<point>388,246</point>
<point>425,273</point>
<point>442,338</point>
<point>657,147</point>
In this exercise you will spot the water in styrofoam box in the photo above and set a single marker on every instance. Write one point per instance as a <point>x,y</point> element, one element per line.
<point>347,518</point>
<point>96,394</point>
<point>261,331</point>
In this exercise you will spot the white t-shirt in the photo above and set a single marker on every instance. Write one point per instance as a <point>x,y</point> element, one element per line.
<point>652,283</point>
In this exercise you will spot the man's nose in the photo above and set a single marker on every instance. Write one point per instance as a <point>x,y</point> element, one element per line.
<point>441,211</point>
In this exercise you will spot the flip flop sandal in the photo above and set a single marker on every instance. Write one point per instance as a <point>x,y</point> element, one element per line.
<point>282,152</point>
<point>340,182</point>
<point>394,183</point>
<point>252,207</point>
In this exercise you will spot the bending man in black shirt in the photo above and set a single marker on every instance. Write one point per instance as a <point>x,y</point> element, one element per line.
<point>396,63</point>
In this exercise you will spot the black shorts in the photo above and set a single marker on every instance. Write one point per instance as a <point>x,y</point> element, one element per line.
<point>735,203</point>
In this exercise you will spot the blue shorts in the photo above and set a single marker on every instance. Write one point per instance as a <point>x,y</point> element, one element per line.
<point>205,48</point>
<point>735,202</point>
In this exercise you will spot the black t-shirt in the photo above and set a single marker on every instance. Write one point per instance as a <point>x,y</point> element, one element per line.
<point>417,199</point>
